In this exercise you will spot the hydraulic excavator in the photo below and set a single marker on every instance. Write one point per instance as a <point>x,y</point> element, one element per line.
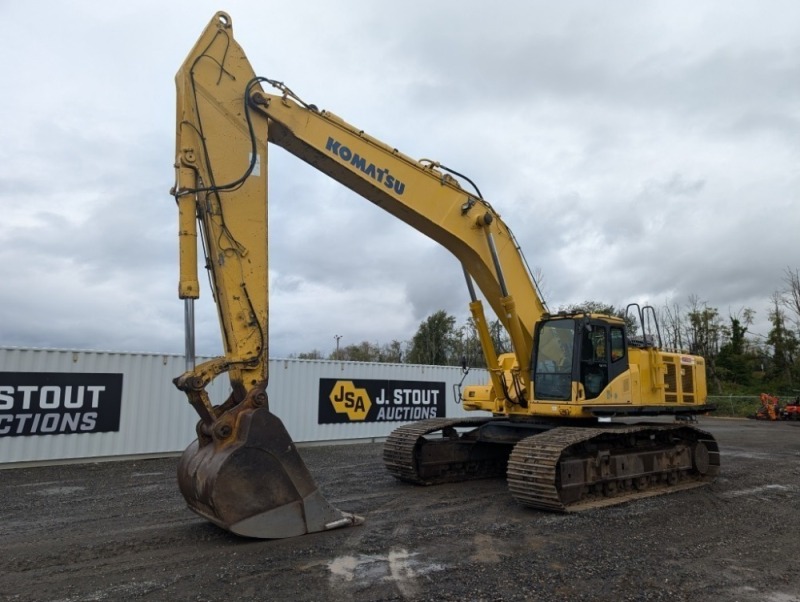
<point>546,411</point>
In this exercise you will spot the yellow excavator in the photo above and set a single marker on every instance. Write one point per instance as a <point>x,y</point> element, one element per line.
<point>546,411</point>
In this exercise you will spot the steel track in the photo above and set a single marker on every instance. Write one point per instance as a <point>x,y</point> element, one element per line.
<point>565,469</point>
<point>540,466</point>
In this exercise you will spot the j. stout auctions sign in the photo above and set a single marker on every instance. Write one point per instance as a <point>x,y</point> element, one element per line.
<point>364,400</point>
<point>58,403</point>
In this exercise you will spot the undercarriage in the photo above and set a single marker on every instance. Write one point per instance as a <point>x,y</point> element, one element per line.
<point>553,467</point>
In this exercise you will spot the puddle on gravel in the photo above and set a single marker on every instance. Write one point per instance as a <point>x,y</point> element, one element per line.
<point>64,490</point>
<point>756,490</point>
<point>398,566</point>
<point>754,594</point>
<point>782,597</point>
<point>730,453</point>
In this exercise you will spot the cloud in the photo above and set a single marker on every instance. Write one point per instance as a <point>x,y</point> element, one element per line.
<point>638,151</point>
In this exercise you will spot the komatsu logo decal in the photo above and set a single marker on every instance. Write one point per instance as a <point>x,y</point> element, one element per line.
<point>380,175</point>
<point>59,403</point>
<point>362,400</point>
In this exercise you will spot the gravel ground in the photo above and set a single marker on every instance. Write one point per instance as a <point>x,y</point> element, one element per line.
<point>120,530</point>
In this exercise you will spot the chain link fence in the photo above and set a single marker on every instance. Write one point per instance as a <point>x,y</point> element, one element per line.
<point>741,406</point>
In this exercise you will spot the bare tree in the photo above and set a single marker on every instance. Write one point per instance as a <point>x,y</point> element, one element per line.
<point>538,279</point>
<point>784,344</point>
<point>704,331</point>
<point>790,296</point>
<point>672,326</point>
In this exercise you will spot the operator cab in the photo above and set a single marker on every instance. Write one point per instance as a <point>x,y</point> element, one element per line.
<point>589,349</point>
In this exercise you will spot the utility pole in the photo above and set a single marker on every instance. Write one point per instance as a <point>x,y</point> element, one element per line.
<point>337,337</point>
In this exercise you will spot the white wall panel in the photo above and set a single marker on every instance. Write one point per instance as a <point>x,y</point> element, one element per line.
<point>156,418</point>
<point>294,394</point>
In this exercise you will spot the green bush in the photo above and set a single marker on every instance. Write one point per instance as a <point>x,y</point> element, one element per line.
<point>738,406</point>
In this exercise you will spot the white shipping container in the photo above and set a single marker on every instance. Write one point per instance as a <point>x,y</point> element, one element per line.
<point>45,391</point>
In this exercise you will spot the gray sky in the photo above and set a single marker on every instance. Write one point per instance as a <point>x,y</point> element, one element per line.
<point>640,151</point>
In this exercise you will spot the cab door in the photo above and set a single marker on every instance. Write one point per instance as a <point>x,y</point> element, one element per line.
<point>603,356</point>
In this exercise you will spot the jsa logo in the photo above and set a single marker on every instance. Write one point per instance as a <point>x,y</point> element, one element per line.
<point>348,399</point>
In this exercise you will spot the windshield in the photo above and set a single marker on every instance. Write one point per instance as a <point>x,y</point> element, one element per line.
<point>553,371</point>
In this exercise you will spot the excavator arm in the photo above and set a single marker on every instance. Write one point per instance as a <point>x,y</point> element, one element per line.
<point>208,177</point>
<point>243,472</point>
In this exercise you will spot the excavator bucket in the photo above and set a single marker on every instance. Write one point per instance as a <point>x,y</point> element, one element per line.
<point>250,479</point>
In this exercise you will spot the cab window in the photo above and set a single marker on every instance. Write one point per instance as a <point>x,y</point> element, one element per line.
<point>617,343</point>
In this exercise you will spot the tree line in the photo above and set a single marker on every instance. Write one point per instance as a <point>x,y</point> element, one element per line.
<point>439,341</point>
<point>738,361</point>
